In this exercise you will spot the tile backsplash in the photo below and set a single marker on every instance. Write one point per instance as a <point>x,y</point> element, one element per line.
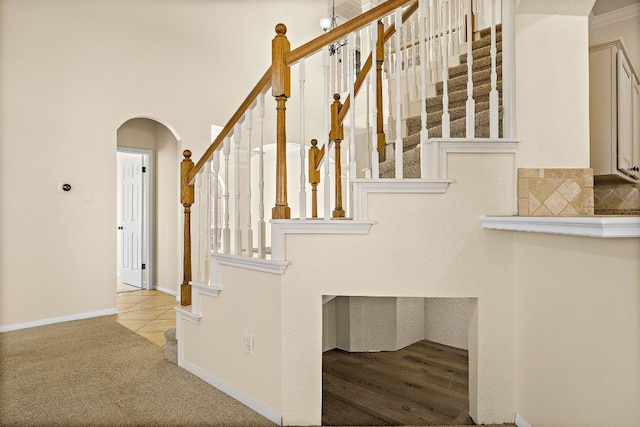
<point>555,192</point>
<point>616,198</point>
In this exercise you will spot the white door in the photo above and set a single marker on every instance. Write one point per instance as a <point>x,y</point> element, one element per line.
<point>131,226</point>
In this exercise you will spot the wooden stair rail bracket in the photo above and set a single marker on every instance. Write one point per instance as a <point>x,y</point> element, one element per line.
<point>281,91</point>
<point>187,199</point>
<point>314,177</point>
<point>337,135</point>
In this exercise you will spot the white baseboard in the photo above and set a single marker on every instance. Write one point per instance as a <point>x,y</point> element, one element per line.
<point>61,319</point>
<point>259,407</point>
<point>167,291</point>
<point>520,422</point>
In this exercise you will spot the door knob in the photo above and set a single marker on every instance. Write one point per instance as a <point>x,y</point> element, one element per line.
<point>121,228</point>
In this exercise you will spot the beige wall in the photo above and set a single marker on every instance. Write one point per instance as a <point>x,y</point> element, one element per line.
<point>68,84</point>
<point>551,59</point>
<point>250,304</point>
<point>577,330</point>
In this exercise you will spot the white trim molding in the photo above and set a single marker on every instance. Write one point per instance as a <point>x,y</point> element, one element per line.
<point>281,227</point>
<point>363,187</point>
<point>264,410</point>
<point>52,320</point>
<point>614,16</point>
<point>588,226</point>
<point>184,313</point>
<point>272,266</point>
<point>471,146</point>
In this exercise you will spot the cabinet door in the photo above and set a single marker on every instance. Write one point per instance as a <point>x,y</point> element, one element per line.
<point>625,116</point>
<point>635,115</point>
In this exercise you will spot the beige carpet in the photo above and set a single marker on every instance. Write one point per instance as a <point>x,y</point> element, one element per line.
<point>96,372</point>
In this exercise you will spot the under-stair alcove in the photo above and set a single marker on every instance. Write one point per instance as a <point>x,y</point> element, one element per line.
<point>397,360</point>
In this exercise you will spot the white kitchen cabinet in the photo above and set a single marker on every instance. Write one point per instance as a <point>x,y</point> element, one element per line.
<point>614,113</point>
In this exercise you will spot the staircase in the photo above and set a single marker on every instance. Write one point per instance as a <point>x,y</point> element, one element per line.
<point>457,85</point>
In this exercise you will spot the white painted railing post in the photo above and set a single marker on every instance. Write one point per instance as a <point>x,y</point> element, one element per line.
<point>422,24</point>
<point>196,230</point>
<point>215,183</point>
<point>237,235</point>
<point>375,157</point>
<point>471,103</point>
<point>303,145</point>
<point>248,124</point>
<point>398,147</point>
<point>446,120</point>
<point>493,95</point>
<point>262,227</point>
<point>352,120</point>
<point>205,199</point>
<point>226,231</point>
<point>325,137</point>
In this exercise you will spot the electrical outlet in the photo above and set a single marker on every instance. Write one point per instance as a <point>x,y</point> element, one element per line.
<point>248,343</point>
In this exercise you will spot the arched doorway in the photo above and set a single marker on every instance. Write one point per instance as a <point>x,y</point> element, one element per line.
<point>158,149</point>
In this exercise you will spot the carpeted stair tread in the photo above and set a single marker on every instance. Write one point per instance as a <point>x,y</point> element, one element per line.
<point>434,117</point>
<point>479,78</point>
<point>481,53</point>
<point>459,98</point>
<point>478,64</point>
<point>458,129</point>
<point>486,32</point>
<point>457,94</point>
<point>485,41</point>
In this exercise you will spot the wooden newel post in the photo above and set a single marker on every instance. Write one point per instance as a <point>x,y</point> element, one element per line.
<point>187,199</point>
<point>314,177</point>
<point>379,62</point>
<point>281,90</point>
<point>336,134</point>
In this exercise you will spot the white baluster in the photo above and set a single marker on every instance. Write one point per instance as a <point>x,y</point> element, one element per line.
<point>196,230</point>
<point>262,227</point>
<point>471,103</point>
<point>493,95</point>
<point>226,231</point>
<point>248,124</point>
<point>303,145</point>
<point>352,118</point>
<point>325,137</point>
<point>205,199</point>
<point>433,62</point>
<point>375,157</point>
<point>422,23</point>
<point>215,237</point>
<point>237,235</point>
<point>398,148</point>
<point>446,123</point>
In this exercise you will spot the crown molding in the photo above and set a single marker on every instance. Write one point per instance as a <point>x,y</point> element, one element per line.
<point>614,16</point>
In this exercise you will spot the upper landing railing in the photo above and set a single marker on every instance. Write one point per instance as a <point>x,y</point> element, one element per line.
<point>408,46</point>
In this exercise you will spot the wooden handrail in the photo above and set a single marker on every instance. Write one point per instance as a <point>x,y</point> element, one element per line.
<point>264,81</point>
<point>343,30</point>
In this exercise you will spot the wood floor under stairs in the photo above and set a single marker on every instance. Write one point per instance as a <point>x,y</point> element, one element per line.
<point>423,384</point>
<point>457,91</point>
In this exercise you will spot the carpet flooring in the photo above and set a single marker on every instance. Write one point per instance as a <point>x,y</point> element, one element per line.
<point>95,372</point>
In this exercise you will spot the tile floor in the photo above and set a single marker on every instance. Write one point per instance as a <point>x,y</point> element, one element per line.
<point>148,313</point>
